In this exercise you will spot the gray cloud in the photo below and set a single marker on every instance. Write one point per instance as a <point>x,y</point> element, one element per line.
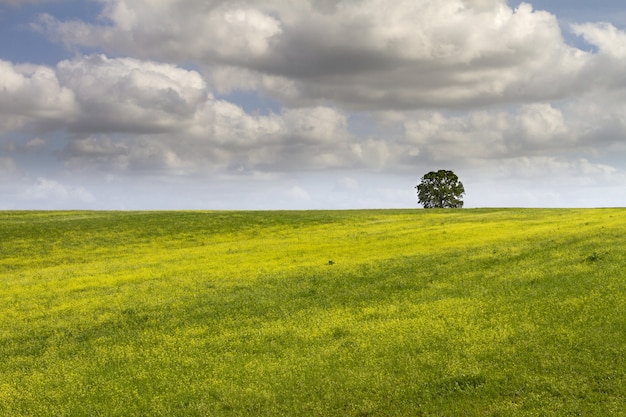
<point>367,54</point>
<point>223,139</point>
<point>128,95</point>
<point>132,115</point>
<point>31,92</point>
<point>434,86</point>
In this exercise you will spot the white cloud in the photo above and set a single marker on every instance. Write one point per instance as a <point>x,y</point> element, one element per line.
<point>609,40</point>
<point>319,124</point>
<point>32,92</point>
<point>220,137</point>
<point>227,137</point>
<point>54,192</point>
<point>132,115</point>
<point>362,86</point>
<point>125,94</point>
<point>363,54</point>
<point>168,30</point>
<point>527,130</point>
<point>219,122</point>
<point>375,153</point>
<point>541,123</point>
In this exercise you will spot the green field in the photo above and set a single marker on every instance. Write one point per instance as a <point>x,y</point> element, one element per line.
<point>480,312</point>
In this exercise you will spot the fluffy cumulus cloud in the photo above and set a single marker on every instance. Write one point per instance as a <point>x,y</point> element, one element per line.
<point>363,54</point>
<point>222,138</point>
<point>129,114</point>
<point>367,54</point>
<point>609,40</point>
<point>531,129</point>
<point>98,94</point>
<point>174,30</point>
<point>32,93</point>
<point>369,86</point>
<point>128,95</point>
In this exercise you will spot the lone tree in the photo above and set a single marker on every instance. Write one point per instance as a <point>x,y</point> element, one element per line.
<point>441,189</point>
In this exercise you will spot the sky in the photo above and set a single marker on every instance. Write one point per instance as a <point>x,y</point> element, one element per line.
<point>310,104</point>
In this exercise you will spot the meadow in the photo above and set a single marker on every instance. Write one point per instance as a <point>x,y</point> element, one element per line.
<point>473,312</point>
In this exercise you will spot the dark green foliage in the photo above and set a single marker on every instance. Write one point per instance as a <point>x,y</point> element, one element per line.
<point>593,258</point>
<point>441,189</point>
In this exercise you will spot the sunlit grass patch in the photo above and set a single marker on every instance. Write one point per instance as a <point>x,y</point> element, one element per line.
<point>461,312</point>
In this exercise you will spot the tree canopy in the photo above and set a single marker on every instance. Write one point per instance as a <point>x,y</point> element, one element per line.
<point>441,189</point>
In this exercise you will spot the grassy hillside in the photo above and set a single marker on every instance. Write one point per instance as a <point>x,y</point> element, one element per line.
<point>346,313</point>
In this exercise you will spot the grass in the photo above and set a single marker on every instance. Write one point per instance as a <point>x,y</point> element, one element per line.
<point>480,312</point>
